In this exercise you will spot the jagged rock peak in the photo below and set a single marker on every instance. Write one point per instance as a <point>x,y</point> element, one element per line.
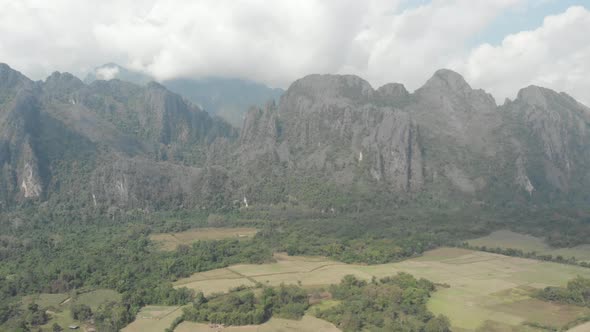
<point>62,82</point>
<point>332,86</point>
<point>393,92</point>
<point>156,85</point>
<point>10,77</point>
<point>536,95</point>
<point>65,77</point>
<point>448,79</point>
<point>544,98</point>
<point>6,70</point>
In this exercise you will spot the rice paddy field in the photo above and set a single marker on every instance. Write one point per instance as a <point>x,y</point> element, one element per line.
<point>169,241</point>
<point>307,324</point>
<point>154,319</point>
<point>488,292</point>
<point>528,243</point>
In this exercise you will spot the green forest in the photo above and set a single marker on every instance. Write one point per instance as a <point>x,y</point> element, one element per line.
<point>246,308</point>
<point>577,291</point>
<point>395,303</point>
<point>59,251</point>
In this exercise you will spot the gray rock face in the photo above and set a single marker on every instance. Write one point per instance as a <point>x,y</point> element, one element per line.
<point>19,123</point>
<point>444,138</point>
<point>552,130</point>
<point>107,144</point>
<point>113,144</point>
<point>260,134</point>
<point>393,94</point>
<point>229,98</point>
<point>333,125</point>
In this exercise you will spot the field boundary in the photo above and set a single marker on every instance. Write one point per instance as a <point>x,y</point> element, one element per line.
<point>169,313</point>
<point>242,275</point>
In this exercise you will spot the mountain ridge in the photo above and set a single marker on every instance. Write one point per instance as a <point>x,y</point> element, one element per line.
<point>228,98</point>
<point>330,141</point>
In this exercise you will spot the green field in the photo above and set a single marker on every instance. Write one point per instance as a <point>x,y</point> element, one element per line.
<point>169,241</point>
<point>58,305</point>
<point>528,243</point>
<point>47,301</point>
<point>97,297</point>
<point>485,288</point>
<point>158,318</point>
<point>154,319</point>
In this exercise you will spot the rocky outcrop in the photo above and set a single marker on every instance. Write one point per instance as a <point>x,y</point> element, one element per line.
<point>140,183</point>
<point>29,178</point>
<point>393,94</point>
<point>446,137</point>
<point>260,135</point>
<point>19,126</point>
<point>116,144</point>
<point>332,126</point>
<point>110,143</point>
<point>552,130</point>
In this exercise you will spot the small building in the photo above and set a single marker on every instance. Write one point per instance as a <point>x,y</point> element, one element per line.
<point>73,327</point>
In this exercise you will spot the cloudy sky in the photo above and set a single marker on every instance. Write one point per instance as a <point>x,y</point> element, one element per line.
<point>498,45</point>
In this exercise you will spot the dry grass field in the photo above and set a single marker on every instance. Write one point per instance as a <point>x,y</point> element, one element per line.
<point>169,241</point>
<point>154,319</point>
<point>159,318</point>
<point>528,243</point>
<point>307,324</point>
<point>581,328</point>
<point>485,288</point>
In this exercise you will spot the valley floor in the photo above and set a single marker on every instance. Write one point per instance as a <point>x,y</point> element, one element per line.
<point>485,289</point>
<point>527,243</point>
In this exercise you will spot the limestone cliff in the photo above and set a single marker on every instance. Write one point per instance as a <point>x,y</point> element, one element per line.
<point>113,144</point>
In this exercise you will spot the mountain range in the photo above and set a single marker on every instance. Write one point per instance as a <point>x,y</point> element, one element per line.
<point>229,98</point>
<point>331,142</point>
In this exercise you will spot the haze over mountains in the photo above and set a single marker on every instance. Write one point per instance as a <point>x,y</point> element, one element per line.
<point>332,142</point>
<point>228,98</point>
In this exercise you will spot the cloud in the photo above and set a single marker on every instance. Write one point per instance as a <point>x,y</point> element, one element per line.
<point>409,47</point>
<point>276,42</point>
<point>39,37</point>
<point>107,73</point>
<point>556,55</point>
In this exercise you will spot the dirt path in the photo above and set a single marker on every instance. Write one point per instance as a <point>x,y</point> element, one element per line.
<point>251,278</point>
<point>242,275</point>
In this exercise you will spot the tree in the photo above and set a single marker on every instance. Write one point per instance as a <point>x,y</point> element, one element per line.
<point>35,316</point>
<point>81,312</point>
<point>216,220</point>
<point>438,324</point>
<point>56,327</point>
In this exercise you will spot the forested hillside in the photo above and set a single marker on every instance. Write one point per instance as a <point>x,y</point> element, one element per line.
<point>335,169</point>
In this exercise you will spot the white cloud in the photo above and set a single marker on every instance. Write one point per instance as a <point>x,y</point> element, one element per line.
<point>276,42</point>
<point>556,55</point>
<point>409,47</point>
<point>107,73</point>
